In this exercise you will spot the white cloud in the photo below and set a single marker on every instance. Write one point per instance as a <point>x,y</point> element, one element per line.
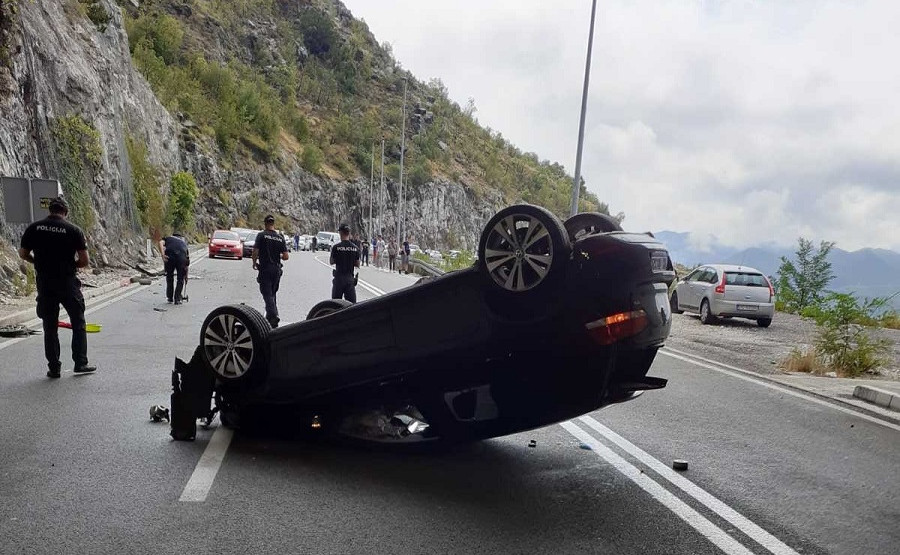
<point>751,121</point>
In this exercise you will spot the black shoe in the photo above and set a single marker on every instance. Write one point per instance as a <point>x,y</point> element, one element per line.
<point>168,300</point>
<point>85,369</point>
<point>177,302</point>
<point>53,373</point>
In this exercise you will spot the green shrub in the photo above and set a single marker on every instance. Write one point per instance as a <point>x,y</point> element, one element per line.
<point>182,195</point>
<point>319,35</point>
<point>80,157</point>
<point>147,186</point>
<point>846,345</point>
<point>312,159</point>
<point>95,11</point>
<point>164,34</point>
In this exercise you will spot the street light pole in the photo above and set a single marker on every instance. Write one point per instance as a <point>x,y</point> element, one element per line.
<point>402,206</point>
<point>381,193</point>
<point>576,186</point>
<point>371,189</point>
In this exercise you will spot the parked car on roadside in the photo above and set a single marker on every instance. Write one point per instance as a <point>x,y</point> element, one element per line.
<point>327,239</point>
<point>225,243</point>
<point>724,291</point>
<point>249,238</point>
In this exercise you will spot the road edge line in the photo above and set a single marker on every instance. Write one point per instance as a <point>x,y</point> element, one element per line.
<point>792,390</point>
<point>200,483</point>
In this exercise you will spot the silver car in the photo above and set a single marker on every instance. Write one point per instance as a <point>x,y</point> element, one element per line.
<point>725,291</point>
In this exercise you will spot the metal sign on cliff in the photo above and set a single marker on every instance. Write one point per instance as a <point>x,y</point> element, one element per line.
<point>26,200</point>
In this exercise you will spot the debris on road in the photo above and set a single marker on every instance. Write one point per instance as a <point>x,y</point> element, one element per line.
<point>586,447</point>
<point>532,443</point>
<point>679,464</point>
<point>158,413</point>
<point>17,331</point>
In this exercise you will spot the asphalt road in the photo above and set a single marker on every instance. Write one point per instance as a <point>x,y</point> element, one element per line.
<point>82,470</point>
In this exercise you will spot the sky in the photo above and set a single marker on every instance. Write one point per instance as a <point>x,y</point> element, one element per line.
<point>746,122</point>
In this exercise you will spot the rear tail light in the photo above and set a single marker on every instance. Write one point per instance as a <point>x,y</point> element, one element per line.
<point>606,331</point>
<point>721,287</point>
<point>771,289</point>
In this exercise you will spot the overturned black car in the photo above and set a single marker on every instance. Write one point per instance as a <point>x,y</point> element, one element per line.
<point>553,321</point>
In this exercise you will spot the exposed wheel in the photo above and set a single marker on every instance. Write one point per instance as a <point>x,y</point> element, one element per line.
<point>325,308</point>
<point>212,256</point>
<point>706,316</point>
<point>673,303</point>
<point>234,342</point>
<point>523,248</point>
<point>764,322</point>
<point>587,223</point>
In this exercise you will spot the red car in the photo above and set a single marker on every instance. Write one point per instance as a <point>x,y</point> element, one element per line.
<point>225,243</point>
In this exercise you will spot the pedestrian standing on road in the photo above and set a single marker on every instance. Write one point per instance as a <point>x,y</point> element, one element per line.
<point>296,240</point>
<point>392,255</point>
<point>269,249</point>
<point>365,252</point>
<point>174,251</point>
<point>57,249</point>
<point>315,243</point>
<point>345,259</point>
<point>382,251</point>
<point>404,257</point>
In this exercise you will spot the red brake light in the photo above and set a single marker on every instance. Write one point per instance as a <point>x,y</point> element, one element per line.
<point>618,326</point>
<point>721,287</point>
<point>771,289</point>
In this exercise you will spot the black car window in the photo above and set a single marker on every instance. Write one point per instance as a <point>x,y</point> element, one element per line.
<point>709,276</point>
<point>747,279</point>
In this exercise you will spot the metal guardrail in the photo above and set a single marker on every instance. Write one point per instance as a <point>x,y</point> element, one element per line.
<point>424,268</point>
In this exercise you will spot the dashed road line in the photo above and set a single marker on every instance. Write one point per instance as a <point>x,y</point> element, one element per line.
<point>201,480</point>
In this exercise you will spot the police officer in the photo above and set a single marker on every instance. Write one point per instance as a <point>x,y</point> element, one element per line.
<point>174,251</point>
<point>57,249</point>
<point>345,258</point>
<point>269,249</point>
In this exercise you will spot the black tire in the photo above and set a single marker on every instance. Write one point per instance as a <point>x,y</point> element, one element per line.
<point>673,303</point>
<point>706,316</point>
<point>234,342</point>
<point>325,308</point>
<point>212,256</point>
<point>588,223</point>
<point>512,268</point>
<point>764,322</point>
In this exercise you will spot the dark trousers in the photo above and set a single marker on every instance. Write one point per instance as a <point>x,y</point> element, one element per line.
<point>68,294</point>
<point>269,279</point>
<point>391,260</point>
<point>175,266</point>
<point>343,287</point>
<point>365,257</point>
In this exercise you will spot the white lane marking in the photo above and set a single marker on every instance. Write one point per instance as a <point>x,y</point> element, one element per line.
<point>201,480</point>
<point>738,520</point>
<point>740,374</point>
<point>364,284</point>
<point>681,509</point>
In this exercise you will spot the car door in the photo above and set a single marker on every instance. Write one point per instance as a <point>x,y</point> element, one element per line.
<point>686,293</point>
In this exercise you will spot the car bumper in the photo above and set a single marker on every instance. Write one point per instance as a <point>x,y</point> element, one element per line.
<point>745,309</point>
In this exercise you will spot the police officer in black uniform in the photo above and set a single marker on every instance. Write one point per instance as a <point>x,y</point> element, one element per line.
<point>174,250</point>
<point>57,249</point>
<point>345,258</point>
<point>269,249</point>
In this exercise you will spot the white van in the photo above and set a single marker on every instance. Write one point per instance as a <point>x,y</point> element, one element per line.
<point>327,239</point>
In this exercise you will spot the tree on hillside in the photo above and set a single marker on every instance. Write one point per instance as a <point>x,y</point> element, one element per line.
<point>181,201</point>
<point>801,283</point>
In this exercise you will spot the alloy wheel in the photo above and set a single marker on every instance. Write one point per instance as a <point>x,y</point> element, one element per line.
<point>518,252</point>
<point>228,346</point>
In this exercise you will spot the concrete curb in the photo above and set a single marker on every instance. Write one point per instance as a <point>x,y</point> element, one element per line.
<point>877,396</point>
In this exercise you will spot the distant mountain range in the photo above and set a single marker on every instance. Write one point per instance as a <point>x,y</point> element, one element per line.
<point>865,272</point>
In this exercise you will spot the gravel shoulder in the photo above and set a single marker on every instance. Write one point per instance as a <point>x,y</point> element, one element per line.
<point>743,344</point>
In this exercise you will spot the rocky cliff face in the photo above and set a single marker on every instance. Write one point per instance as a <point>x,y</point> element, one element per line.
<point>59,64</point>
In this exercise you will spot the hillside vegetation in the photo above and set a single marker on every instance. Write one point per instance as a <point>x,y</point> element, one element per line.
<point>270,79</point>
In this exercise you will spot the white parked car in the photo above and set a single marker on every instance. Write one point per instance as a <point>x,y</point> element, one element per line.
<point>724,291</point>
<point>327,239</point>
